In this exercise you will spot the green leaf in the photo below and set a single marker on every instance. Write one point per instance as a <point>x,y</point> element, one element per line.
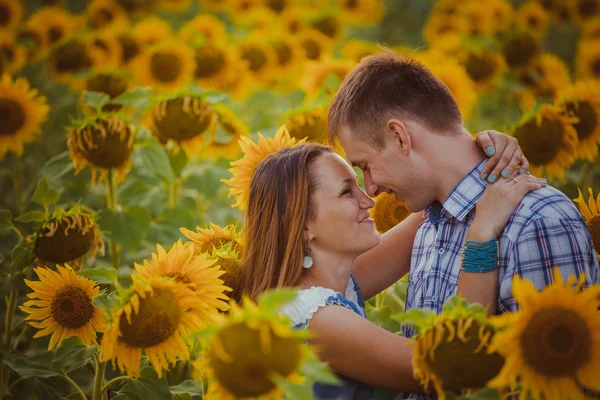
<point>419,319</point>
<point>137,97</point>
<point>33,365</point>
<point>317,371</point>
<point>32,216</point>
<point>96,100</point>
<point>58,166</point>
<point>182,396</point>
<point>295,391</point>
<point>5,222</point>
<point>72,396</point>
<point>105,275</point>
<point>147,386</point>
<point>128,227</point>
<point>273,300</point>
<point>483,394</point>
<point>45,194</point>
<point>156,160</point>
<point>188,386</point>
<point>20,257</point>
<point>72,355</point>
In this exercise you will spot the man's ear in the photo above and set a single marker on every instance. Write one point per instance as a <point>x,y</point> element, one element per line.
<point>398,133</point>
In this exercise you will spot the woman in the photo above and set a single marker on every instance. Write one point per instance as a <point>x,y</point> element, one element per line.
<point>307,209</point>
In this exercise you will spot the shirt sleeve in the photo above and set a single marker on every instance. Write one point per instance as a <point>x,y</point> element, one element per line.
<point>541,245</point>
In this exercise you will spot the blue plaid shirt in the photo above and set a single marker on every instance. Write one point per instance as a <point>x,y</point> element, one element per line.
<point>545,230</point>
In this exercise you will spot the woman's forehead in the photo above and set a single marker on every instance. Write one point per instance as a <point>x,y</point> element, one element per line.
<point>335,168</point>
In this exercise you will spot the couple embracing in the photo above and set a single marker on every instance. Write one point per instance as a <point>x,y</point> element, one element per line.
<point>308,224</point>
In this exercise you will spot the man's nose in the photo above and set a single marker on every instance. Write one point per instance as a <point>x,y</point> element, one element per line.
<point>372,189</point>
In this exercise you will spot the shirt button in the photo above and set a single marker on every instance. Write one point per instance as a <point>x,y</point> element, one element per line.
<point>441,251</point>
<point>434,298</point>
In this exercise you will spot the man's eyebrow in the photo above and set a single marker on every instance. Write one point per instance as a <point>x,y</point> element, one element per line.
<point>346,181</point>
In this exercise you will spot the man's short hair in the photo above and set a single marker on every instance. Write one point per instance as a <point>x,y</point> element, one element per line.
<point>387,85</point>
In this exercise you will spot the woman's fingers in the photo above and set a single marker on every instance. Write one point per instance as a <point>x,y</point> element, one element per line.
<point>501,169</point>
<point>505,156</point>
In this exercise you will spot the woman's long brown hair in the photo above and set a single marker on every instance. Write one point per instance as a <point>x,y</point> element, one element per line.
<point>280,204</point>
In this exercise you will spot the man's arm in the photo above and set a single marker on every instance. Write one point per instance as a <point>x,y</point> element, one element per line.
<point>544,243</point>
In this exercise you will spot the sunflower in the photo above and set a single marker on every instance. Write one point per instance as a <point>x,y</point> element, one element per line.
<point>167,66</point>
<point>242,169</point>
<point>583,10</point>
<point>328,24</point>
<point>591,214</point>
<point>33,40</point>
<point>11,12</point>
<point>111,83</point>
<point>238,83</point>
<point>229,261</point>
<point>158,317</point>
<point>439,25</point>
<point>317,74</point>
<point>259,57</point>
<point>204,28</point>
<point>185,120</point>
<point>588,59</point>
<point>289,54</point>
<point>213,65</point>
<point>248,352</point>
<point>291,19</point>
<point>102,142</point>
<point>67,236</point>
<point>315,44</point>
<point>533,17</point>
<point>214,237</point>
<point>225,138</point>
<point>558,9</point>
<point>64,306</point>
<point>215,5</point>
<point>548,140</point>
<point>175,5</point>
<point>502,12</point>
<point>388,212</point>
<point>451,349</point>
<point>362,12</point>
<point>356,49</point>
<point>591,29</point>
<point>150,31</point>
<point>552,343</point>
<point>71,57</point>
<point>521,49</point>
<point>544,78</point>
<point>108,50</point>
<point>54,23</point>
<point>131,48</point>
<point>140,7</point>
<point>485,67</point>
<point>107,16</point>
<point>12,55</point>
<point>480,20</point>
<point>580,100</point>
<point>182,264</point>
<point>22,112</point>
<point>308,123</point>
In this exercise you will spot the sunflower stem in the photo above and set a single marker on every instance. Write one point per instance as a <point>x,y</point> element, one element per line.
<point>111,204</point>
<point>99,381</point>
<point>8,331</point>
<point>584,174</point>
<point>112,381</point>
<point>75,385</point>
<point>173,193</point>
<point>379,299</point>
<point>17,184</point>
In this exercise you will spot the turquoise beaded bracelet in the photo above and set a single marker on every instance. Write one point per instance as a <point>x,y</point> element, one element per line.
<point>480,256</point>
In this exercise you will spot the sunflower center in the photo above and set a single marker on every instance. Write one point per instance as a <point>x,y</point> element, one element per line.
<point>166,67</point>
<point>255,56</point>
<point>157,319</point>
<point>351,4</point>
<point>283,52</point>
<point>312,48</point>
<point>108,144</point>
<point>248,373</point>
<point>30,40</point>
<point>102,17</point>
<point>479,67</point>
<point>130,48</point>
<point>71,57</point>
<point>5,15</point>
<point>327,26</point>
<point>7,53</point>
<point>533,21</point>
<point>179,278</point>
<point>595,67</point>
<point>556,342</point>
<point>520,51</point>
<point>12,116</point>
<point>217,243</point>
<point>72,307</point>
<point>65,240</point>
<point>181,118</point>
<point>594,227</point>
<point>209,61</point>
<point>55,33</point>
<point>586,114</point>
<point>277,5</point>
<point>540,143</point>
<point>307,125</point>
<point>587,8</point>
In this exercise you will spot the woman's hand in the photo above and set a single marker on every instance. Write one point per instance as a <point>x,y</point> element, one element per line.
<point>497,204</point>
<point>506,158</point>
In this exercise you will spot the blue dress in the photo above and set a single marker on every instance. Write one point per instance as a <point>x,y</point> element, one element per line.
<point>302,309</point>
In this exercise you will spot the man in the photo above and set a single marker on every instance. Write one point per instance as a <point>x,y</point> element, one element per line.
<point>402,127</point>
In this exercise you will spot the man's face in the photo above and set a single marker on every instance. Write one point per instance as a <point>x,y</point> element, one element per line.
<point>392,170</point>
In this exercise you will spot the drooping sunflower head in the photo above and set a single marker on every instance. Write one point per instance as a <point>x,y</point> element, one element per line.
<point>532,17</point>
<point>388,212</point>
<point>185,266</point>
<point>588,59</point>
<point>107,16</point>
<point>202,29</point>
<point>308,123</point>
<point>185,120</point>
<point>214,237</point>
<point>362,12</point>
<point>521,49</point>
<point>63,306</point>
<point>552,343</point>
<point>548,140</point>
<point>591,213</point>
<point>580,101</point>
<point>253,153</point>
<point>11,12</point>
<point>484,67</point>
<point>13,56</point>
<point>67,236</point>
<point>225,137</point>
<point>111,83</point>
<point>22,112</point>
<point>156,316</point>
<point>102,142</point>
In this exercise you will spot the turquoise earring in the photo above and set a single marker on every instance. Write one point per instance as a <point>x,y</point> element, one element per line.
<point>308,261</point>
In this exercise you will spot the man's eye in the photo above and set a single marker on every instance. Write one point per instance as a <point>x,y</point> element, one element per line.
<point>347,191</point>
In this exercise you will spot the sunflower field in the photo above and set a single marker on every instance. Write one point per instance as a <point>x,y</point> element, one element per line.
<point>129,132</point>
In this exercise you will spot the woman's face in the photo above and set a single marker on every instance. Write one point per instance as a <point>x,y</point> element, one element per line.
<point>342,223</point>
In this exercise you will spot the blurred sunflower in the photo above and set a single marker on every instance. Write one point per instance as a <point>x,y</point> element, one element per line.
<point>259,56</point>
<point>64,306</point>
<point>111,83</point>
<point>214,5</point>
<point>130,46</point>
<point>308,123</point>
<point>71,57</point>
<point>247,351</point>
<point>167,66</point>
<point>225,138</point>
<point>485,67</point>
<point>558,9</point>
<point>229,261</point>
<point>521,49</point>
<point>213,65</point>
<point>186,120</point>
<point>317,74</point>
<point>552,344</point>
<point>157,316</point>
<point>439,25</point>
<point>452,351</point>
<point>502,12</point>
<point>102,142</point>
<point>11,12</point>
<point>67,236</point>
<point>243,11</point>
<point>108,49</point>
<point>588,59</point>
<point>279,6</point>
<point>328,24</point>
<point>362,12</point>
<point>292,19</point>
<point>388,212</point>
<point>33,40</point>
<point>480,20</point>
<point>150,31</point>
<point>532,17</point>
<point>253,153</point>
<point>22,112</point>
<point>203,29</point>
<point>107,16</point>
<point>178,6</point>
<point>13,56</point>
<point>315,44</point>
<point>591,214</point>
<point>581,101</point>
<point>548,140</point>
<point>591,29</point>
<point>356,49</point>
<point>289,54</point>
<point>583,10</point>
<point>213,238</point>
<point>239,84</point>
<point>54,23</point>
<point>544,78</point>
<point>182,264</point>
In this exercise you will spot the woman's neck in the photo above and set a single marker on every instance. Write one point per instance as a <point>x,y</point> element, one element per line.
<point>330,271</point>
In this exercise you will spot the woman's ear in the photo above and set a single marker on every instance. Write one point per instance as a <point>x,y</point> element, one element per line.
<point>308,233</point>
